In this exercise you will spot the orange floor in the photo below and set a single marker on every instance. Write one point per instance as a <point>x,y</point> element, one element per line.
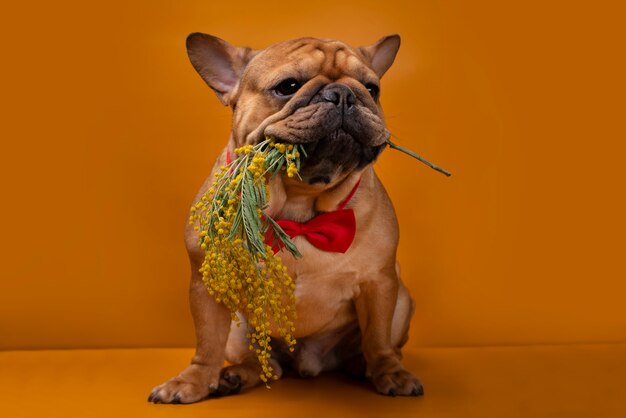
<point>533,381</point>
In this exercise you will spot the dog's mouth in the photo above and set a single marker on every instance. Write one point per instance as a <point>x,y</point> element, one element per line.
<point>329,153</point>
<point>333,155</point>
<point>338,153</point>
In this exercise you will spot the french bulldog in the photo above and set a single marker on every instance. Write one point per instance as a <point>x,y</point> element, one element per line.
<point>353,311</point>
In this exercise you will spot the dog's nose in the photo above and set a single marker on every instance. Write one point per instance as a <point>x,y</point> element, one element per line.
<point>340,95</point>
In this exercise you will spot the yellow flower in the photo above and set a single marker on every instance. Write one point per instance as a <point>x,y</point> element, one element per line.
<point>253,282</point>
<point>292,170</point>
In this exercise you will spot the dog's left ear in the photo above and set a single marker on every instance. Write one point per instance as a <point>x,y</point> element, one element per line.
<point>219,63</point>
<point>382,53</point>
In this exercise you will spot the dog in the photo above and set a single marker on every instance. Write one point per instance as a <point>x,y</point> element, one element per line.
<point>353,311</point>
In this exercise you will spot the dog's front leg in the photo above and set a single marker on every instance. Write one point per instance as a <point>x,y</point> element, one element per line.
<point>375,308</point>
<point>212,324</point>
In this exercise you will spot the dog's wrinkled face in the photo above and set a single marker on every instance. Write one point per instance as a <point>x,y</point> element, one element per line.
<point>320,93</point>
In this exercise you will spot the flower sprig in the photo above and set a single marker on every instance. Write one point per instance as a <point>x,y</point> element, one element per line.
<point>395,146</point>
<point>239,268</point>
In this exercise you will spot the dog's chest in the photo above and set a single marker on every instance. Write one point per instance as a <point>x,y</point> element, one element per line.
<point>326,286</point>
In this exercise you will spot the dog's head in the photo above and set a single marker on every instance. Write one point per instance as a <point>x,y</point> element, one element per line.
<point>320,93</point>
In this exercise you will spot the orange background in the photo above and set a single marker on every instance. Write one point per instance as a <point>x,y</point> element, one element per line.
<point>107,132</point>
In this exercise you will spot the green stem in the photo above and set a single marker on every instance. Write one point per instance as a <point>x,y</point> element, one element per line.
<point>414,155</point>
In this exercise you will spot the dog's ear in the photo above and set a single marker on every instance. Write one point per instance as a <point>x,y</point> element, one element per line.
<point>382,53</point>
<point>219,63</point>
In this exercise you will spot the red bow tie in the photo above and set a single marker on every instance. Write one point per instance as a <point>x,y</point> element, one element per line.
<point>331,231</point>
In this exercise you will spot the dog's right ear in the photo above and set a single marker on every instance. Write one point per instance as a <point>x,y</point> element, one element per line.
<point>219,63</point>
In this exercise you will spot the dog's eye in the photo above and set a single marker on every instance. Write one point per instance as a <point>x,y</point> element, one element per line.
<point>374,90</point>
<point>287,87</point>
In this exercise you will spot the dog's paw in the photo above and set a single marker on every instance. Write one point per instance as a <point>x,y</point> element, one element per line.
<point>238,377</point>
<point>398,383</point>
<point>192,385</point>
<point>230,382</point>
<point>177,390</point>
